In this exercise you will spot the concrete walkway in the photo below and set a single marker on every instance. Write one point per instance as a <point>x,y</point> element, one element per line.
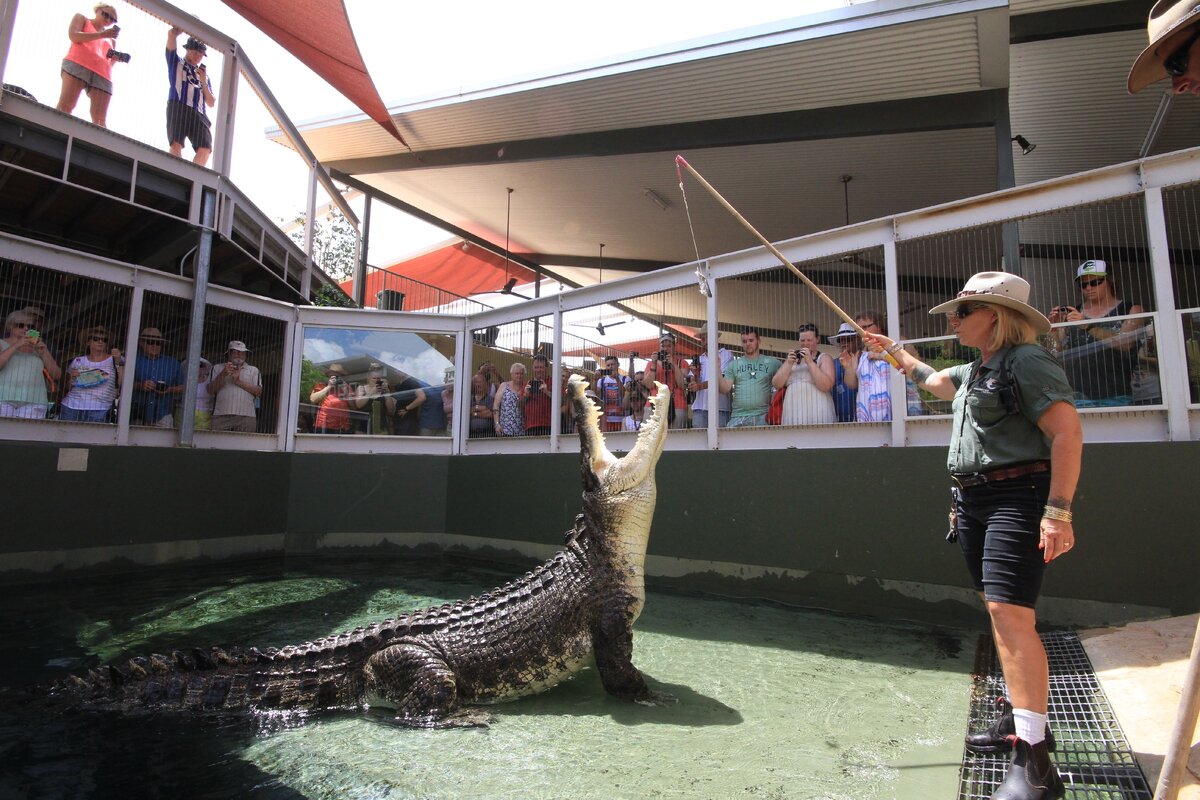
<point>1141,667</point>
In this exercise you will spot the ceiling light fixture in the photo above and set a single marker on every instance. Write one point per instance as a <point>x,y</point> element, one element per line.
<point>656,198</point>
<point>1024,144</point>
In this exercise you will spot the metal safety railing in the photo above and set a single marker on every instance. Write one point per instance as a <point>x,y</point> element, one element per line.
<point>1133,216</point>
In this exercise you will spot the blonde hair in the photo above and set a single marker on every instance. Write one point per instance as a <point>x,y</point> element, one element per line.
<point>16,316</point>
<point>85,335</point>
<point>1011,328</point>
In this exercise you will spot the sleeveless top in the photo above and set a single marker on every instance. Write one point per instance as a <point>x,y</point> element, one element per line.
<point>512,422</point>
<point>804,403</point>
<point>1096,370</point>
<point>845,399</point>
<point>92,55</point>
<point>96,386</point>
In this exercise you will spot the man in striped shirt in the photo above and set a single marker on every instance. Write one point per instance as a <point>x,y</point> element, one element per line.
<point>191,95</point>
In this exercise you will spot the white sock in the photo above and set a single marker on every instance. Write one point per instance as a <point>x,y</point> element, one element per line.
<point>1030,725</point>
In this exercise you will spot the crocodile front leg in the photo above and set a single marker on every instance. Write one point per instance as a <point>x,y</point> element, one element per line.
<point>612,642</point>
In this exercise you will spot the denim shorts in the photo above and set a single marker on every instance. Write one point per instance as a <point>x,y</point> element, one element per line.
<point>999,529</point>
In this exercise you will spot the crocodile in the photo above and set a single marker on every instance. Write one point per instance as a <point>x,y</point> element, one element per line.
<point>437,667</point>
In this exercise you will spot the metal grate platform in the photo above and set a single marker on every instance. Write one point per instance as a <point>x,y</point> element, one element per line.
<point>1093,758</point>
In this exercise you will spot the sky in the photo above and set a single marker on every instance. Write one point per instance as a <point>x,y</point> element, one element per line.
<point>412,50</point>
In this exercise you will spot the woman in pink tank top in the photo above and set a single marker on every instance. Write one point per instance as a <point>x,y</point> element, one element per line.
<point>88,64</point>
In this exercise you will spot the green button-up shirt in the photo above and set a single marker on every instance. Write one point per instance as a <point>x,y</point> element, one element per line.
<point>985,435</point>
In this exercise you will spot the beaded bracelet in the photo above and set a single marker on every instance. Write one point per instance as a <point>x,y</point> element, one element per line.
<point>1056,513</point>
<point>892,349</point>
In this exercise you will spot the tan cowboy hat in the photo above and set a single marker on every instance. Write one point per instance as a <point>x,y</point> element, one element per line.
<point>1001,289</point>
<point>1167,17</point>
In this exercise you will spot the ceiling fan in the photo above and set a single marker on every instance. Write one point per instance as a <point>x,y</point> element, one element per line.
<point>510,282</point>
<point>600,326</point>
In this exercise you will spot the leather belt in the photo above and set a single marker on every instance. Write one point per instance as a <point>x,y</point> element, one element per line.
<point>965,480</point>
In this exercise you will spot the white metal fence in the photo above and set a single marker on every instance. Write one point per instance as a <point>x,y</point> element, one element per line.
<point>406,382</point>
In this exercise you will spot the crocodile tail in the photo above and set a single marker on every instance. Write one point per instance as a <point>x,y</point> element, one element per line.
<point>321,674</point>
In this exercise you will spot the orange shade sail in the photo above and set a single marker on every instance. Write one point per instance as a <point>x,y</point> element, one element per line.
<point>318,33</point>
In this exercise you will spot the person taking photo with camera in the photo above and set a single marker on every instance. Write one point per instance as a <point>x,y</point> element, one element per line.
<point>666,368</point>
<point>535,403</point>
<point>236,387</point>
<point>191,96</point>
<point>88,63</point>
<point>332,399</point>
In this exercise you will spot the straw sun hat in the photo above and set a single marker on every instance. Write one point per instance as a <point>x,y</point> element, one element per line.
<point>1001,289</point>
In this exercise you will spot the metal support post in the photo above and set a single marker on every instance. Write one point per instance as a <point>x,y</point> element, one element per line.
<point>713,346</point>
<point>310,223</point>
<point>8,18</point>
<point>896,387</point>
<point>131,356</point>
<point>1006,178</point>
<point>360,266</point>
<point>556,382</point>
<point>226,115</point>
<point>1168,332</point>
<point>208,215</point>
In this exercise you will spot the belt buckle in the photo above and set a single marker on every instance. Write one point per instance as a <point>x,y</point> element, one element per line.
<point>968,480</point>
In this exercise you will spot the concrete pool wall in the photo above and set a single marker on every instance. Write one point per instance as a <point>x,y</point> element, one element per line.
<point>857,530</point>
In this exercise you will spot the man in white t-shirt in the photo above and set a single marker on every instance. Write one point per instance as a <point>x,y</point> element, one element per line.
<point>235,386</point>
<point>699,377</point>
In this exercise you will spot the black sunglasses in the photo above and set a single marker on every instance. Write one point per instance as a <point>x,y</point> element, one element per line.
<point>22,324</point>
<point>107,16</point>
<point>97,338</point>
<point>965,310</point>
<point>1090,283</point>
<point>808,326</point>
<point>1177,63</point>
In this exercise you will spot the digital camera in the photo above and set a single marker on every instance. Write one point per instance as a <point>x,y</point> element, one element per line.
<point>535,385</point>
<point>662,355</point>
<point>117,55</point>
<point>160,386</point>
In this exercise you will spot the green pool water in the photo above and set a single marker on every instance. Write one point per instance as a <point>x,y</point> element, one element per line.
<point>772,702</point>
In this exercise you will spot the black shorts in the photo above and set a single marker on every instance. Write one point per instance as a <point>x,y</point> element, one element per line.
<point>185,122</point>
<point>999,529</point>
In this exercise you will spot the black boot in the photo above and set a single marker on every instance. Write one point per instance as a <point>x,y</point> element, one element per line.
<point>995,738</point>
<point>1031,775</point>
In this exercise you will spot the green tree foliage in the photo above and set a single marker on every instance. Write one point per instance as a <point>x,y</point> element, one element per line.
<point>334,247</point>
<point>310,376</point>
<point>330,295</point>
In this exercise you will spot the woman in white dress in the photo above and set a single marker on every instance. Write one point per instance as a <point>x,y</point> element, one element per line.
<point>808,375</point>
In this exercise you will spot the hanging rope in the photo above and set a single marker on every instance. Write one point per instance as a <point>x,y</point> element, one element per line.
<point>680,162</point>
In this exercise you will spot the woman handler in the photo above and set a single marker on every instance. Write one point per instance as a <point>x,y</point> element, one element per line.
<point>1014,456</point>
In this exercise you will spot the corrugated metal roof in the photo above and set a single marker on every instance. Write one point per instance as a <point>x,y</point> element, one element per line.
<point>1067,96</point>
<point>933,56</point>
